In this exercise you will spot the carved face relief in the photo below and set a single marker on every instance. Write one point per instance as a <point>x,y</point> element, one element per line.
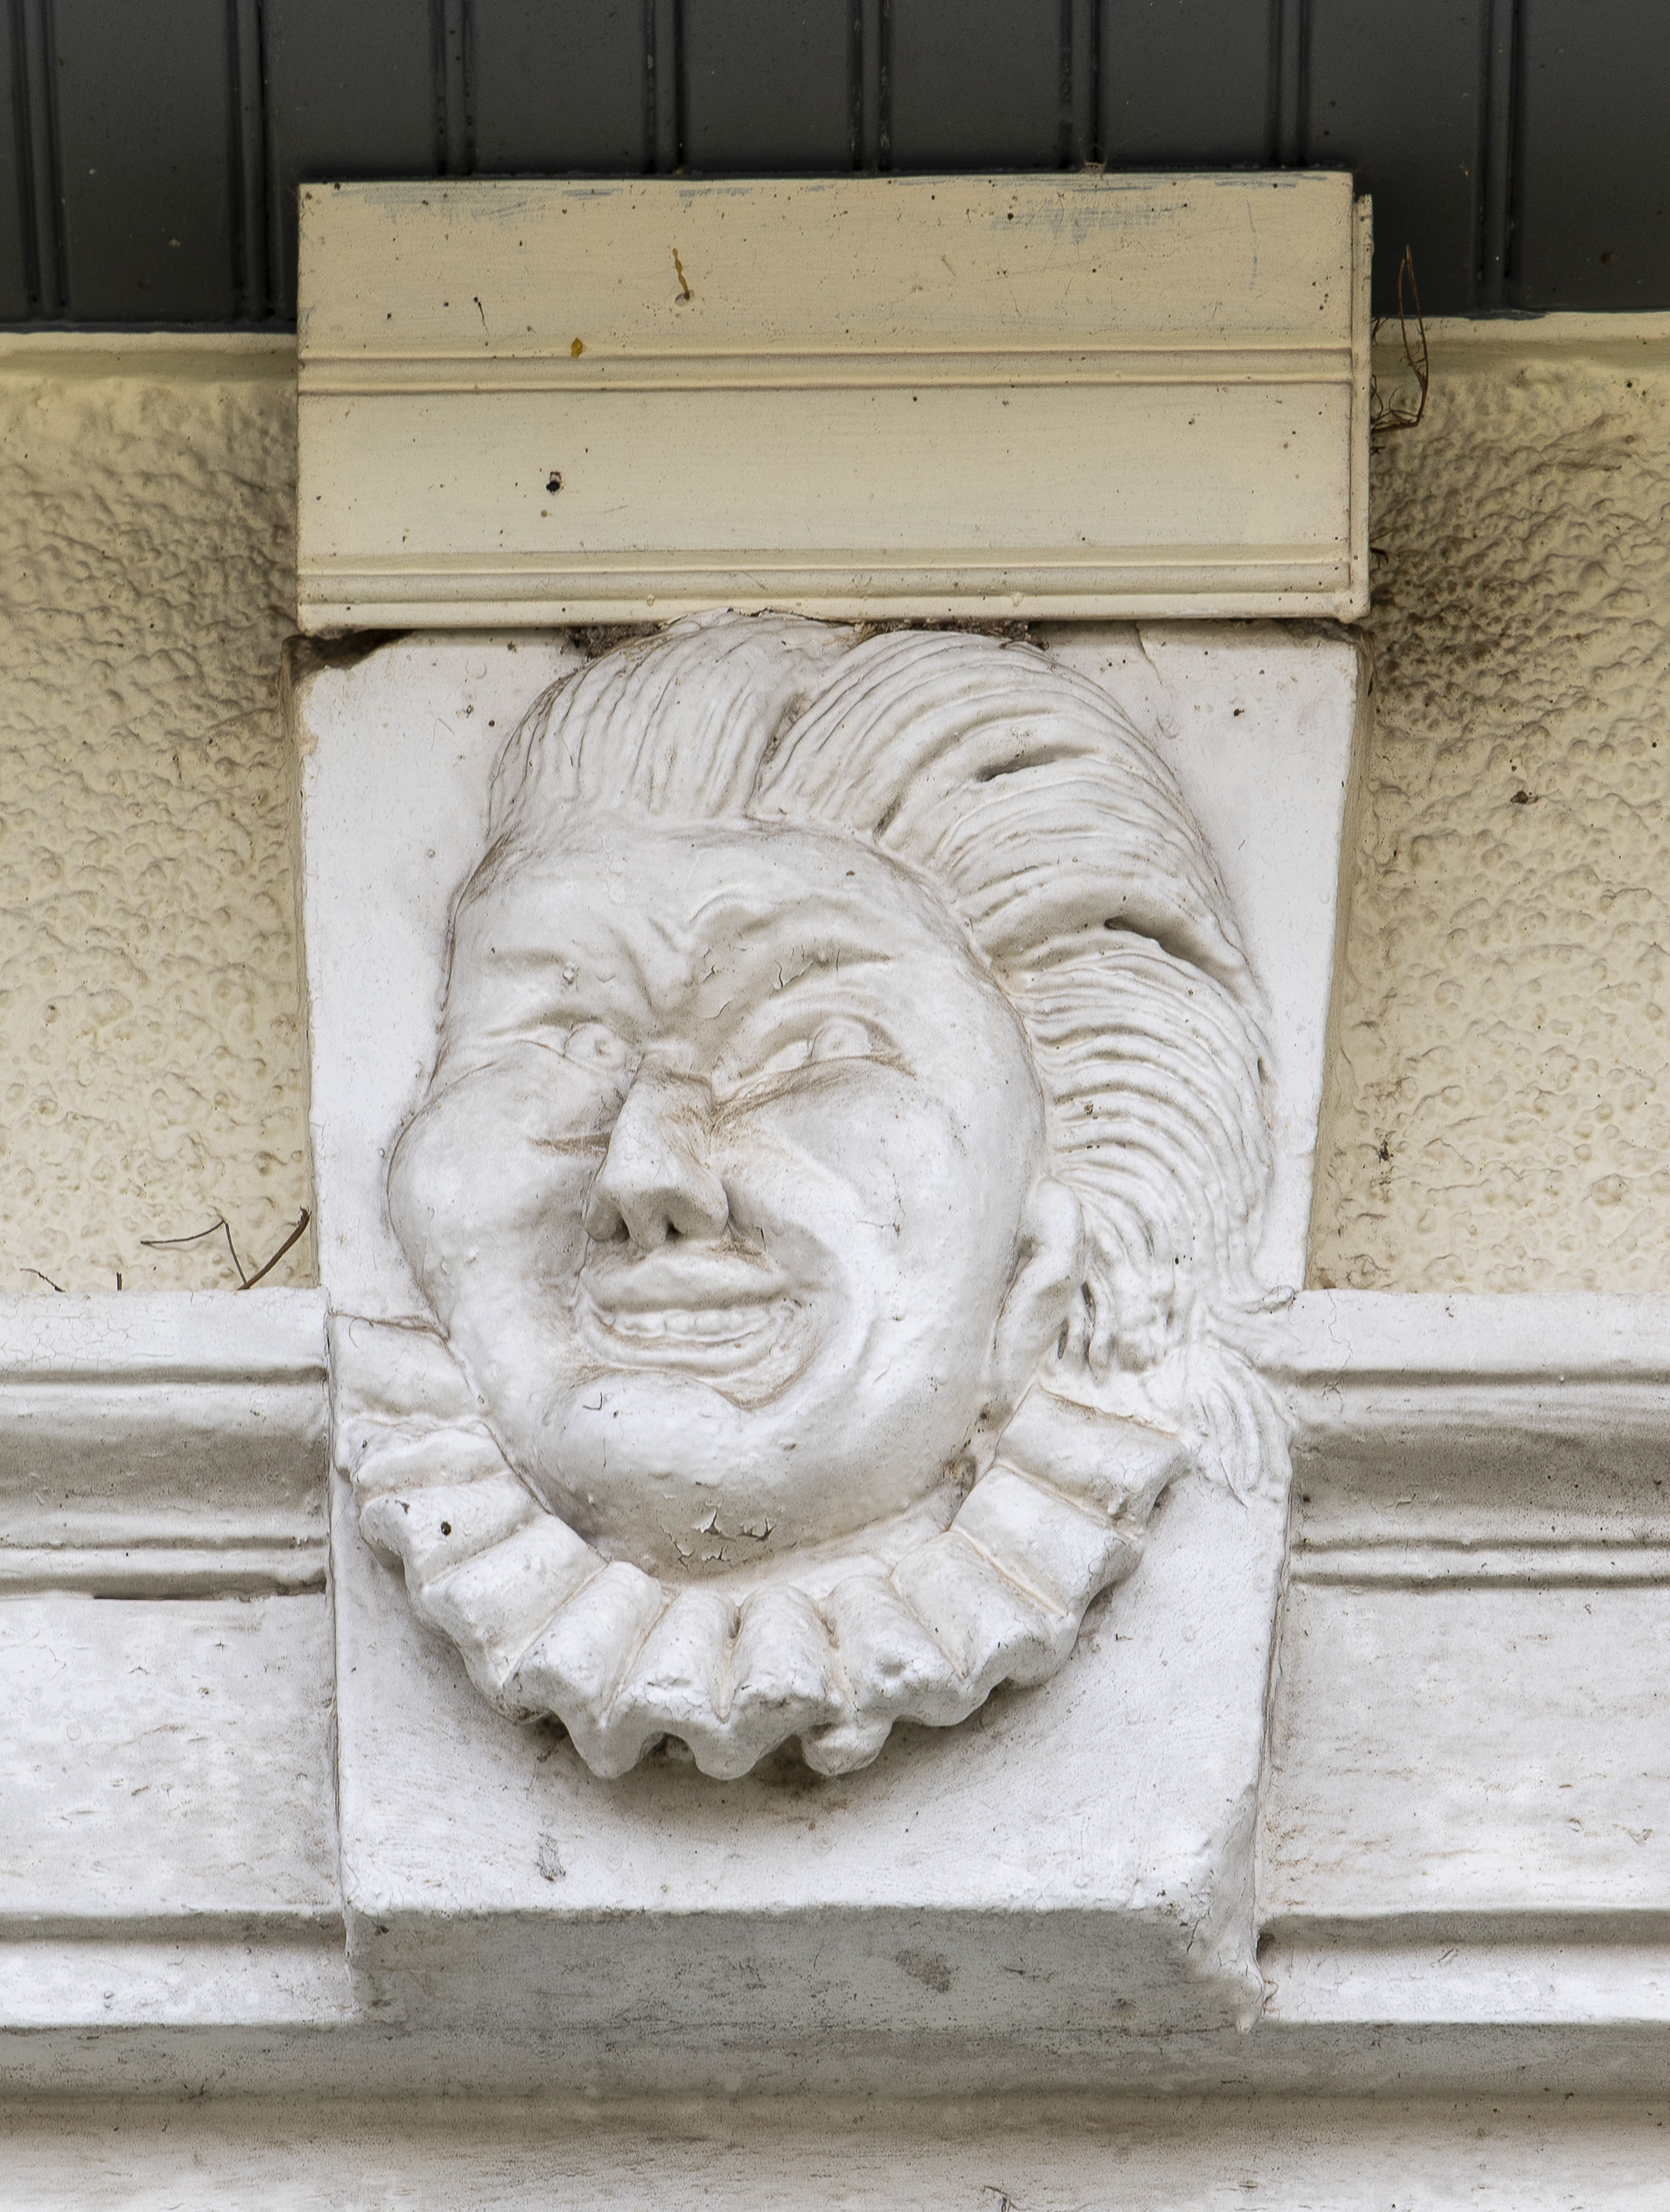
<point>846,1136</point>
<point>720,1188</point>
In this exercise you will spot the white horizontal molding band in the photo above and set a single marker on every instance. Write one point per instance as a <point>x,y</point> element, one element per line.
<point>506,591</point>
<point>1209,564</point>
<point>209,1565</point>
<point>1390,1562</point>
<point>346,375</point>
<point>275,1969</point>
<point>163,1446</point>
<point>1613,1968</point>
<point>851,602</point>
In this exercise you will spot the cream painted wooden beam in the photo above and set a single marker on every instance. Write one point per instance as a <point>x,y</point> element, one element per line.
<point>534,404</point>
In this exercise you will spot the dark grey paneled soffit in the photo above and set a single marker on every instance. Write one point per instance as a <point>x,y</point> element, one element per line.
<point>154,147</point>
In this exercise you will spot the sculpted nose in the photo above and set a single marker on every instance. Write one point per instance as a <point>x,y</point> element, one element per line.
<point>655,1181</point>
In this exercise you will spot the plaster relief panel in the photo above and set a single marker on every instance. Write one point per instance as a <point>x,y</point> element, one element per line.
<point>803,1138</point>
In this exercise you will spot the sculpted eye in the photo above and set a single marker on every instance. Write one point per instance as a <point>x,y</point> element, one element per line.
<point>597,1049</point>
<point>841,1038</point>
<point>787,1058</point>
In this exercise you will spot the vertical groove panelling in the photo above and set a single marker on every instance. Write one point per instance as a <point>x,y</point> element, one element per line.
<point>351,92</point>
<point>976,84</point>
<point>154,147</point>
<point>666,103</point>
<point>1078,85</point>
<point>648,88</point>
<point>250,214</point>
<point>854,84</point>
<point>1290,82</point>
<point>1403,114</point>
<point>15,289</point>
<point>1497,105</point>
<point>1592,164</point>
<point>884,85</point>
<point>1064,131</point>
<point>43,239</point>
<point>1185,83</point>
<point>867,89</point>
<point>556,87</point>
<point>767,85</point>
<point>148,185</point>
<point>452,98</point>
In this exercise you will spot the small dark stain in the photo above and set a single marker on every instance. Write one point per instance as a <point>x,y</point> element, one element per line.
<point>927,1967</point>
<point>446,1528</point>
<point>553,482</point>
<point>1522,798</point>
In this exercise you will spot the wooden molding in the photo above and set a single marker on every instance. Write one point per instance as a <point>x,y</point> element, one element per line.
<point>1061,396</point>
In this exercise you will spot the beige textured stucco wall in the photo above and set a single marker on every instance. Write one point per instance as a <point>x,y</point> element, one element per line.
<point>1500,1101</point>
<point>1499,1105</point>
<point>152,1062</point>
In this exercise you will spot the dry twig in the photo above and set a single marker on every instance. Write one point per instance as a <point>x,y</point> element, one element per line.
<point>294,1237</point>
<point>1383,418</point>
<point>219,1225</point>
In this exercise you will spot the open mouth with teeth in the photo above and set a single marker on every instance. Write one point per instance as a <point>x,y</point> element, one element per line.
<point>737,1327</point>
<point>704,1324</point>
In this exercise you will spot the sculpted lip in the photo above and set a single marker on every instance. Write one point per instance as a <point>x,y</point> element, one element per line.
<point>687,1282</point>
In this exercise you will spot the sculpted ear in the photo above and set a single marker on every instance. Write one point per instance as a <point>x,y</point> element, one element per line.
<point>1041,1296</point>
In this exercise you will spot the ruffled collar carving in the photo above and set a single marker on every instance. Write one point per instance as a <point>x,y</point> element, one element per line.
<point>832,1650</point>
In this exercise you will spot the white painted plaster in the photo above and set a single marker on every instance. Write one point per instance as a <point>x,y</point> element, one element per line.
<point>168,1815</point>
<point>1529,2149</point>
<point>1265,726</point>
<point>397,753</point>
<point>1466,1803</point>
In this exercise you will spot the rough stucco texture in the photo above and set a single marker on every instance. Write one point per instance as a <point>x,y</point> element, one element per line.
<point>153,1069</point>
<point>1500,1098</point>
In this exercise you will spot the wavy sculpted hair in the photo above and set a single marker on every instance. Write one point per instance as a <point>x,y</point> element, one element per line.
<point>1056,833</point>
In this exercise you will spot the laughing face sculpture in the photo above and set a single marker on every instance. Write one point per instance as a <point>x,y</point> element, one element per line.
<point>843,1151</point>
